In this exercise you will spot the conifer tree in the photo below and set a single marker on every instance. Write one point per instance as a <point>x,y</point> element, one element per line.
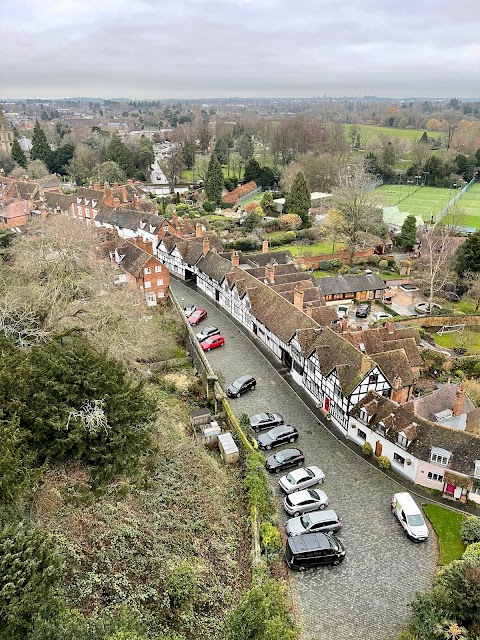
<point>120,153</point>
<point>298,198</point>
<point>17,154</point>
<point>40,147</point>
<point>408,234</point>
<point>214,180</point>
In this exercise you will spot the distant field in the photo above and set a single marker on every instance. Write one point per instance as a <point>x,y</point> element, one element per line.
<point>369,131</point>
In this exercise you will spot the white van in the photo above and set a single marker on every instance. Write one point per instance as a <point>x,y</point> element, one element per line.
<point>409,516</point>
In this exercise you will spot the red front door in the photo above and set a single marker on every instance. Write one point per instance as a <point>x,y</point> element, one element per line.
<point>327,404</point>
<point>450,489</point>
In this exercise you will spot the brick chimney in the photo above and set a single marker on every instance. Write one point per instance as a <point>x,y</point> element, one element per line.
<point>309,309</point>
<point>206,246</point>
<point>390,327</point>
<point>367,365</point>
<point>115,185</point>
<point>43,213</point>
<point>175,219</point>
<point>265,246</point>
<point>124,193</point>
<point>116,202</point>
<point>344,324</point>
<point>96,186</point>
<point>298,294</point>
<point>270,273</point>
<point>235,259</point>
<point>459,401</point>
<point>198,230</point>
<point>107,198</point>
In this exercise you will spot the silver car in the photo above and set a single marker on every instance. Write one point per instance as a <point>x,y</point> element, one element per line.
<point>314,522</point>
<point>301,479</point>
<point>307,500</point>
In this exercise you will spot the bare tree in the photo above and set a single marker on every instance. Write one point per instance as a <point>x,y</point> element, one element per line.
<point>473,280</point>
<point>356,204</point>
<point>434,267</point>
<point>173,166</point>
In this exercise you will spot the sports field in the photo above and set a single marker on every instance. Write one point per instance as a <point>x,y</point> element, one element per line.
<point>429,201</point>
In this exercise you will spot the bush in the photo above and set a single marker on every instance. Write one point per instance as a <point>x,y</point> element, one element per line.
<point>182,585</point>
<point>336,263</point>
<point>367,449</point>
<point>375,259</point>
<point>289,222</point>
<point>209,207</point>
<point>228,184</point>
<point>325,265</point>
<point>344,269</point>
<point>270,540</point>
<point>392,263</point>
<point>476,368</point>
<point>281,237</point>
<point>383,264</point>
<point>245,244</point>
<point>470,530</point>
<point>473,552</point>
<point>251,206</point>
<point>384,462</point>
<point>181,208</point>
<point>224,205</point>
<point>259,493</point>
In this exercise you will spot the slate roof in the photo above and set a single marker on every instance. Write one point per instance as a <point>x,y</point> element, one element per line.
<point>379,341</point>
<point>332,285</point>
<point>134,258</point>
<point>261,259</point>
<point>214,266</point>
<point>48,183</point>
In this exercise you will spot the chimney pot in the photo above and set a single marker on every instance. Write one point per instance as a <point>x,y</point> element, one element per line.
<point>96,186</point>
<point>309,310</point>
<point>344,323</point>
<point>115,185</point>
<point>270,273</point>
<point>235,259</point>
<point>390,327</point>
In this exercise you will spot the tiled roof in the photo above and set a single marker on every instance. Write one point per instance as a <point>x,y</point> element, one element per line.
<point>214,266</point>
<point>240,191</point>
<point>379,340</point>
<point>292,277</point>
<point>395,365</point>
<point>324,315</point>
<point>334,352</point>
<point>48,182</point>
<point>438,400</point>
<point>55,200</point>
<point>332,285</point>
<point>134,258</point>
<point>262,259</point>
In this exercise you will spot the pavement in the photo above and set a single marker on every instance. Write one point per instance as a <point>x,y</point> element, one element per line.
<point>367,596</point>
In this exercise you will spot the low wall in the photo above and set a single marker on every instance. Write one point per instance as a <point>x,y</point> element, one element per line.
<point>313,262</point>
<point>439,321</point>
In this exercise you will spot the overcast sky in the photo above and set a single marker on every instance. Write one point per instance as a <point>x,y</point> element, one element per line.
<point>208,48</point>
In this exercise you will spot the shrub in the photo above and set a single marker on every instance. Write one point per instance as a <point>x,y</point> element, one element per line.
<point>384,462</point>
<point>224,205</point>
<point>367,449</point>
<point>472,551</point>
<point>392,263</point>
<point>325,265</point>
<point>270,539</point>
<point>282,237</point>
<point>251,206</point>
<point>228,184</point>
<point>375,259</point>
<point>336,263</point>
<point>476,368</point>
<point>259,493</point>
<point>289,222</point>
<point>209,207</point>
<point>383,264</point>
<point>248,243</point>
<point>470,530</point>
<point>182,584</point>
<point>344,269</point>
<point>181,208</point>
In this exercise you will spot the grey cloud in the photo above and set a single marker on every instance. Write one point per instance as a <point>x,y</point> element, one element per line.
<point>149,48</point>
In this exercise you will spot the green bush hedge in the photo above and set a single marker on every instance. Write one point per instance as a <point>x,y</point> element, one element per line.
<point>384,462</point>
<point>279,238</point>
<point>367,449</point>
<point>259,493</point>
<point>470,531</point>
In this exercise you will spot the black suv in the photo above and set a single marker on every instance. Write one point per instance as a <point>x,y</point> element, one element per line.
<point>240,386</point>
<point>277,436</point>
<point>363,310</point>
<point>312,550</point>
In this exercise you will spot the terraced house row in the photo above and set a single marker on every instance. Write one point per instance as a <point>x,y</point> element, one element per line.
<point>364,380</point>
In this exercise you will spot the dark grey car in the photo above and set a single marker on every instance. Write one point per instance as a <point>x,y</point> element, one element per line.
<point>314,522</point>
<point>277,436</point>
<point>262,421</point>
<point>240,386</point>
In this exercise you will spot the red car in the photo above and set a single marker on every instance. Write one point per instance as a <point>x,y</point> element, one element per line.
<point>197,316</point>
<point>212,342</point>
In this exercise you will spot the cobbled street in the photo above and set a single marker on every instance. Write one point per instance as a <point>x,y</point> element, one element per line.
<point>367,596</point>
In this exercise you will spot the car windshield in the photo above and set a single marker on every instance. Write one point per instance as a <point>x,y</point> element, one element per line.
<point>290,479</point>
<point>313,494</point>
<point>274,433</point>
<point>237,384</point>
<point>305,520</point>
<point>416,520</point>
<point>281,456</point>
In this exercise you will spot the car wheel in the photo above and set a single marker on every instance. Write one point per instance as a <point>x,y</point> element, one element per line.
<point>296,514</point>
<point>292,439</point>
<point>301,463</point>
<point>237,395</point>
<point>322,506</point>
<point>253,387</point>
<point>268,447</point>
<point>335,562</point>
<point>302,568</point>
<point>208,349</point>
<point>277,470</point>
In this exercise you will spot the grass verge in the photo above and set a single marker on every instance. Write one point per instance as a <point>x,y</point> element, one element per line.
<point>447,526</point>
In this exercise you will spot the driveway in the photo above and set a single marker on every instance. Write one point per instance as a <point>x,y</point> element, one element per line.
<point>367,595</point>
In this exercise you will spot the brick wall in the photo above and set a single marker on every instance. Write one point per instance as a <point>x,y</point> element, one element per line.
<point>313,262</point>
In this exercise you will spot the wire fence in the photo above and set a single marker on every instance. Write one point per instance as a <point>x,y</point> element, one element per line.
<point>455,199</point>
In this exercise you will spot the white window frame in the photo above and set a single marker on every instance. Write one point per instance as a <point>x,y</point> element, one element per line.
<point>402,440</point>
<point>434,477</point>
<point>476,472</point>
<point>363,436</point>
<point>161,294</point>
<point>147,271</point>
<point>159,282</point>
<point>165,228</point>
<point>436,458</point>
<point>147,284</point>
<point>158,268</point>
<point>397,458</point>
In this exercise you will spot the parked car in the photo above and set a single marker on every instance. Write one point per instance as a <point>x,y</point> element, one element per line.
<point>301,479</point>
<point>207,332</point>
<point>381,315</point>
<point>307,500</point>
<point>240,386</point>
<point>312,550</point>
<point>342,310</point>
<point>363,310</point>
<point>405,509</point>
<point>277,436</point>
<point>265,421</point>
<point>284,459</point>
<point>213,342</point>
<point>197,316</point>
<point>189,310</point>
<point>314,522</point>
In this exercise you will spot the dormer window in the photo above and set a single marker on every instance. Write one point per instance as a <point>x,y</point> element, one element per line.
<point>476,473</point>
<point>402,440</point>
<point>440,456</point>
<point>363,416</point>
<point>142,225</point>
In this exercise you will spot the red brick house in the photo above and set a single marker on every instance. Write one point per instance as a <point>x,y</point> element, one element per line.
<point>142,270</point>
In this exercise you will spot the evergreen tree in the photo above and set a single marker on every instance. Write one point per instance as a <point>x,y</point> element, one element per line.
<point>188,153</point>
<point>467,256</point>
<point>121,154</point>
<point>60,158</point>
<point>298,198</point>
<point>408,234</point>
<point>253,171</point>
<point>221,150</point>
<point>17,154</point>
<point>389,155</point>
<point>40,147</point>
<point>267,203</point>
<point>245,147</point>
<point>424,138</point>
<point>214,180</point>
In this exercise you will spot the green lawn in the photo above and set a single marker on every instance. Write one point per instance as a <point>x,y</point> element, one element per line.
<point>368,131</point>
<point>318,273</point>
<point>470,340</point>
<point>447,525</point>
<point>319,248</point>
<point>256,198</point>
<point>188,174</point>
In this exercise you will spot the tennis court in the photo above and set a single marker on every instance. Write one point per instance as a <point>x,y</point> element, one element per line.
<point>423,201</point>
